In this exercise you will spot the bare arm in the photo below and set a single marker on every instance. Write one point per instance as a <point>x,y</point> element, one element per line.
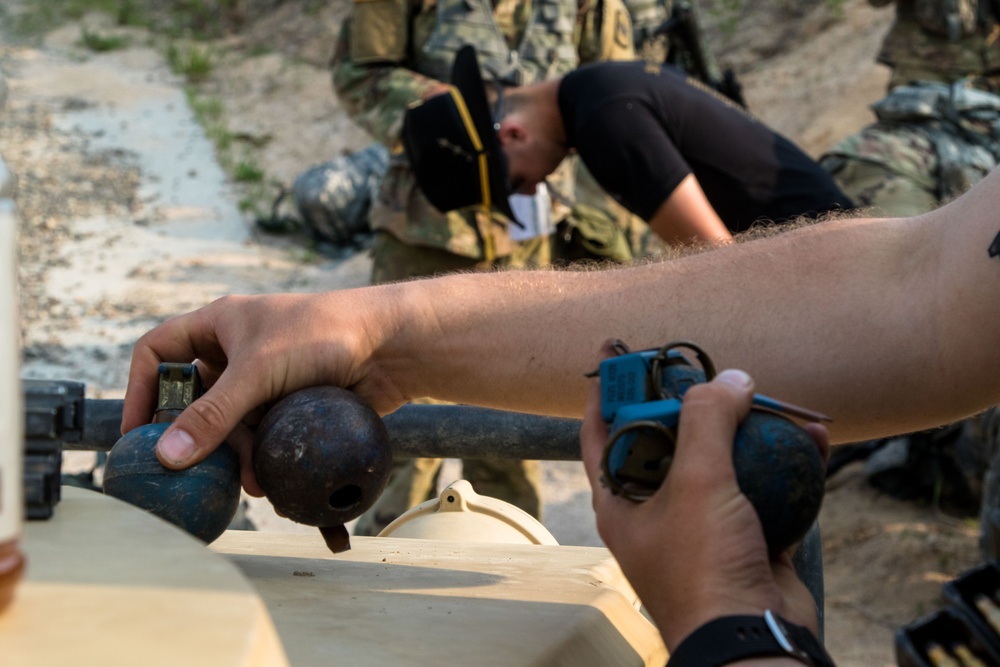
<point>887,326</point>
<point>687,214</point>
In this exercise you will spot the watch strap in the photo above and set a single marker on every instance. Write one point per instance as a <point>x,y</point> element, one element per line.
<point>732,638</point>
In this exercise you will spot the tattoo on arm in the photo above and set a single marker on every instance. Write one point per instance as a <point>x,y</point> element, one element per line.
<point>995,246</point>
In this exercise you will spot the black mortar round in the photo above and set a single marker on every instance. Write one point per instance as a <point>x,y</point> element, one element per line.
<point>322,456</point>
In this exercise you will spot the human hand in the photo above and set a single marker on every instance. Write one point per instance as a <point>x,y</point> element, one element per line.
<point>250,352</point>
<point>695,550</point>
<point>435,90</point>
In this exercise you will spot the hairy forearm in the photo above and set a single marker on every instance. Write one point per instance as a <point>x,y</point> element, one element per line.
<point>886,326</point>
<point>883,325</point>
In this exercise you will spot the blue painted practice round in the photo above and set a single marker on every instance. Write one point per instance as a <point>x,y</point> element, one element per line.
<point>202,499</point>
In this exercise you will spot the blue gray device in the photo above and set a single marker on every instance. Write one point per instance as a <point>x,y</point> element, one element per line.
<point>778,466</point>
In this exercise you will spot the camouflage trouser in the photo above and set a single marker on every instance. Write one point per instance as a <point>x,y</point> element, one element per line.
<point>871,185</point>
<point>414,481</point>
<point>393,260</point>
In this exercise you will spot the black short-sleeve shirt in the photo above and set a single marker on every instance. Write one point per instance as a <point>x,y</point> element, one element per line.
<point>641,129</point>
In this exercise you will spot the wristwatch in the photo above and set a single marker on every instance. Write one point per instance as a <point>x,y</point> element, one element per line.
<point>732,638</point>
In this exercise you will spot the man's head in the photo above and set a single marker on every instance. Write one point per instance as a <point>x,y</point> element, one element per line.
<point>463,154</point>
<point>530,133</point>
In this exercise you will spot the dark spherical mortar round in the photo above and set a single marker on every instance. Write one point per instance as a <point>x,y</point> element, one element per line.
<point>202,499</point>
<point>781,471</point>
<point>322,456</point>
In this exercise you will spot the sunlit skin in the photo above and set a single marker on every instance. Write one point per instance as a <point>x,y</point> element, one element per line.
<point>531,164</point>
<point>533,138</point>
<point>790,309</point>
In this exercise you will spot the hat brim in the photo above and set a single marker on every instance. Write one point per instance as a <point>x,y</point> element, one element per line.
<point>467,78</point>
<point>453,147</point>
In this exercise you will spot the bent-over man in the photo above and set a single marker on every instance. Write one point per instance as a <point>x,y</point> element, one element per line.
<point>684,159</point>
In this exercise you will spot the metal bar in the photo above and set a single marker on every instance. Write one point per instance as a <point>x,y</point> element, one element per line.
<point>438,431</point>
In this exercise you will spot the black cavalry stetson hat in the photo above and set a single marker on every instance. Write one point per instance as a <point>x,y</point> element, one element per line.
<point>452,144</point>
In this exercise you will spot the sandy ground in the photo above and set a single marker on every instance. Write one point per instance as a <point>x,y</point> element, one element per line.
<point>128,219</point>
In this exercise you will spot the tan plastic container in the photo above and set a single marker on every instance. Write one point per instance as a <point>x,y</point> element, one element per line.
<point>460,514</point>
<point>11,413</point>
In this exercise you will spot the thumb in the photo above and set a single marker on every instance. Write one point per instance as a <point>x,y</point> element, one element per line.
<point>204,424</point>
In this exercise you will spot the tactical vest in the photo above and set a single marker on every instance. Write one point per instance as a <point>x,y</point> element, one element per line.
<point>962,123</point>
<point>546,49</point>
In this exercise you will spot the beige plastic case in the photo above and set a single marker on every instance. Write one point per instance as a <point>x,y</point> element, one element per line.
<point>460,514</point>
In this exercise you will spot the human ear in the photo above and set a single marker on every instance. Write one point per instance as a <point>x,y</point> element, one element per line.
<point>510,133</point>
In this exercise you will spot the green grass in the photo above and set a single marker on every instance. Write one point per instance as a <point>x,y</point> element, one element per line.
<point>36,17</point>
<point>208,109</point>
<point>181,27</point>
<point>246,171</point>
<point>193,62</point>
<point>101,43</point>
<point>235,158</point>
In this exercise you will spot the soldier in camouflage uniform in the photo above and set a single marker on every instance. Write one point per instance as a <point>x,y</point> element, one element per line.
<point>394,52</point>
<point>333,198</point>
<point>931,143</point>
<point>941,40</point>
<point>934,136</point>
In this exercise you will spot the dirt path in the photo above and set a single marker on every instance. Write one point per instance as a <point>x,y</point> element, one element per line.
<point>127,219</point>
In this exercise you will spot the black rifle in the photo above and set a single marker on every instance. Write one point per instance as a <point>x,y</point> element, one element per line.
<point>53,419</point>
<point>688,53</point>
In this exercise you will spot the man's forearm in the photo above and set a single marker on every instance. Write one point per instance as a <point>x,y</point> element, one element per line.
<point>885,326</point>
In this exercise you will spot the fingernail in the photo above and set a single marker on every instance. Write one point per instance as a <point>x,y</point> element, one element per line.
<point>176,446</point>
<point>735,377</point>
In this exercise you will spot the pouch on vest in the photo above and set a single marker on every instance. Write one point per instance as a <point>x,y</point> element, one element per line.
<point>547,48</point>
<point>378,31</point>
<point>461,22</point>
<point>617,39</point>
<point>588,233</point>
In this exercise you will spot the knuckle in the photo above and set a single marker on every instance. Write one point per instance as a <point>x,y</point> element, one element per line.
<point>205,416</point>
<point>705,395</point>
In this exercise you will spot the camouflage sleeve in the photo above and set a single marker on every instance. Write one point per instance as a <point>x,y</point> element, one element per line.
<point>375,95</point>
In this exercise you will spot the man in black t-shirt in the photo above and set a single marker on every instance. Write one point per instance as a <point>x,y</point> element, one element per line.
<point>684,159</point>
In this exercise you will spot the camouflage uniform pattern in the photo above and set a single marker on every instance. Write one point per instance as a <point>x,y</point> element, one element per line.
<point>376,85</point>
<point>932,142</point>
<point>392,53</point>
<point>334,197</point>
<point>940,40</point>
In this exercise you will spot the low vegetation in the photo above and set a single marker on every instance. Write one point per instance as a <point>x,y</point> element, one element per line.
<point>184,30</point>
